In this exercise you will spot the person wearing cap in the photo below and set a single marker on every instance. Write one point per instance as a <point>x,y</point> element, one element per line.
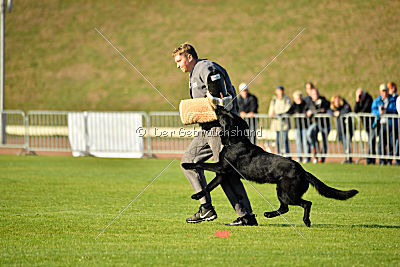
<point>279,105</point>
<point>248,106</point>
<point>384,104</point>
<point>363,105</point>
<point>298,108</point>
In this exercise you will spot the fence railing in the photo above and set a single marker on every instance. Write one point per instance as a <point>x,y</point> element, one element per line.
<point>303,138</point>
<point>13,129</point>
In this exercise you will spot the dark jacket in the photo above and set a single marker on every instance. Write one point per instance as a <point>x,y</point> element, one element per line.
<point>343,124</point>
<point>316,107</point>
<point>300,123</point>
<point>364,105</point>
<point>248,104</point>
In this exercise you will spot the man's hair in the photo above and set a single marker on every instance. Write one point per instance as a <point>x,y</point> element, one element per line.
<point>298,93</point>
<point>185,49</point>
<point>311,84</point>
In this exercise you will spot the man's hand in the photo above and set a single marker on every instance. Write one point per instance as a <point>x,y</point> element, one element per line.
<point>309,113</point>
<point>225,102</point>
<point>358,95</point>
<point>250,115</point>
<point>243,114</point>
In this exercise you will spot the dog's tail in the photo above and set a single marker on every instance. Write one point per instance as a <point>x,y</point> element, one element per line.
<point>328,191</point>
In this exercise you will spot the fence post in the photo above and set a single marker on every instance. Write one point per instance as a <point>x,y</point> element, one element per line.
<point>27,148</point>
<point>148,137</point>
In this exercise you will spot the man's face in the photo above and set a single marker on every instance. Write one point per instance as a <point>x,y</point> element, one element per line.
<point>297,99</point>
<point>314,94</point>
<point>183,62</point>
<point>244,93</point>
<point>279,93</point>
<point>384,93</point>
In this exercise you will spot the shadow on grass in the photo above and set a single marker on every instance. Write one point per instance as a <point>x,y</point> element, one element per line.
<point>377,226</point>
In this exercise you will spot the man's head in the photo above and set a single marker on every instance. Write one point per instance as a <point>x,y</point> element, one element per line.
<point>309,86</point>
<point>243,90</point>
<point>336,102</point>
<point>279,91</point>
<point>360,92</point>
<point>392,88</point>
<point>297,97</point>
<point>314,94</point>
<point>185,57</point>
<point>383,91</point>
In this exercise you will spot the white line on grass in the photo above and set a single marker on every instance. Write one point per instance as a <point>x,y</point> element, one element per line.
<point>294,227</point>
<point>133,66</point>
<point>133,200</point>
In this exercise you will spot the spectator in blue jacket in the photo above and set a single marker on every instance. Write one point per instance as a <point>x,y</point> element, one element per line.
<point>384,104</point>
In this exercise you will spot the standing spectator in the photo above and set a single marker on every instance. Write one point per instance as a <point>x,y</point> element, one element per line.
<point>248,106</point>
<point>393,92</point>
<point>279,105</point>
<point>344,124</point>
<point>309,86</point>
<point>363,102</point>
<point>363,105</point>
<point>398,105</point>
<point>318,105</point>
<point>392,87</point>
<point>301,124</point>
<point>397,140</point>
<point>384,104</point>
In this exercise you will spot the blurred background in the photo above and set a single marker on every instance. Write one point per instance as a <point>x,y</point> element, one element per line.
<point>55,60</point>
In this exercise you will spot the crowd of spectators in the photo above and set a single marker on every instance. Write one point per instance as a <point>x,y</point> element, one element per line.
<point>307,126</point>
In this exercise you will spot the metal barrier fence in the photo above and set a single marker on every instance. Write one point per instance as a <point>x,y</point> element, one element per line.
<point>322,136</point>
<point>47,131</point>
<point>13,129</point>
<point>359,135</point>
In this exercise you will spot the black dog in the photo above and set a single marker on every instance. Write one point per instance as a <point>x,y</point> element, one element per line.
<point>240,158</point>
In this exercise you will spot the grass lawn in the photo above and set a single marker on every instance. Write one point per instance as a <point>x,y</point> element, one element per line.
<point>52,208</point>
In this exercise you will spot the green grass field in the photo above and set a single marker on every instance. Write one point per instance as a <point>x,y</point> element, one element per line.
<point>56,60</point>
<point>52,208</point>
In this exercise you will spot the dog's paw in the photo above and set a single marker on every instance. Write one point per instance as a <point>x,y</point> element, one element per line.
<point>189,166</point>
<point>198,195</point>
<point>307,222</point>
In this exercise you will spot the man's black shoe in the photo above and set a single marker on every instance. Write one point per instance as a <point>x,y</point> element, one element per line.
<point>247,219</point>
<point>205,213</point>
